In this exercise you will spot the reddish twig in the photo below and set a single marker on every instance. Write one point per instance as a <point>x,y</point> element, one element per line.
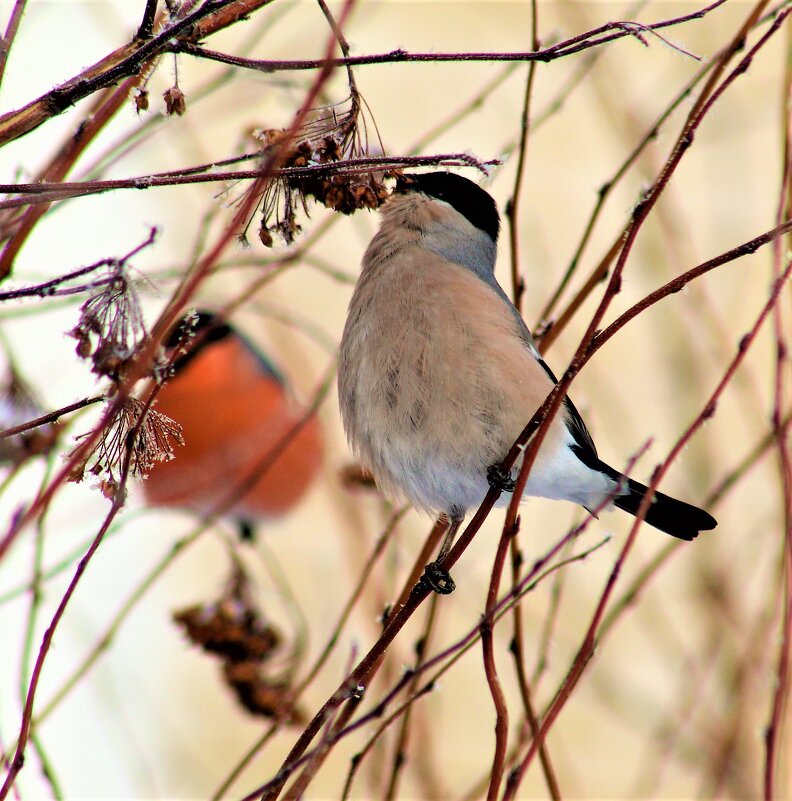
<point>517,649</point>
<point>7,40</point>
<point>27,715</point>
<point>47,192</point>
<point>609,32</point>
<point>128,60</point>
<point>774,729</point>
<point>623,242</point>
<point>586,650</point>
<point>403,736</point>
<point>146,29</point>
<point>510,529</point>
<point>450,655</point>
<point>51,417</point>
<point>49,288</point>
<point>513,206</point>
<point>142,366</point>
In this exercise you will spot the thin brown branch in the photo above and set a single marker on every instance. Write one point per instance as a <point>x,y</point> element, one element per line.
<point>402,613</point>
<point>599,273</point>
<point>517,649</point>
<point>403,737</point>
<point>780,698</point>
<point>102,111</point>
<point>50,417</point>
<point>51,287</point>
<point>324,655</point>
<point>357,759</point>
<point>344,45</point>
<point>450,656</point>
<point>146,29</point>
<point>27,715</point>
<point>623,243</point>
<point>680,282</point>
<point>46,192</point>
<point>510,529</point>
<point>142,366</point>
<point>538,425</point>
<point>124,62</point>
<point>587,648</point>
<point>513,206</point>
<point>594,38</point>
<point>7,40</point>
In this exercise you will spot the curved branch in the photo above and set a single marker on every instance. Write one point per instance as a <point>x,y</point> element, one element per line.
<point>123,63</point>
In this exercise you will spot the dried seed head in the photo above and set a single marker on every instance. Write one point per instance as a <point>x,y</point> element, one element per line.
<point>261,695</point>
<point>229,628</point>
<point>332,136</point>
<point>113,316</point>
<point>137,437</point>
<point>233,629</point>
<point>175,102</point>
<point>141,100</point>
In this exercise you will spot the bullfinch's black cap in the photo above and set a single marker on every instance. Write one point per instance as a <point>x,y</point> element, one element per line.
<point>475,204</point>
<point>194,332</point>
<point>198,330</point>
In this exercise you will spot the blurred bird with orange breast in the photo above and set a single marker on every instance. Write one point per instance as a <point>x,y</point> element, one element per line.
<point>248,452</point>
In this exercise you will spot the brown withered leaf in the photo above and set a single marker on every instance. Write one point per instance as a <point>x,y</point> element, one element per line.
<point>230,629</point>
<point>260,695</point>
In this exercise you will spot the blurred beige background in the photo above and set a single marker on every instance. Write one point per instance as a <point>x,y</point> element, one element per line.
<point>152,719</point>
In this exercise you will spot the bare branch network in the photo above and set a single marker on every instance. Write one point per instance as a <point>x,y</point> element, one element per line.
<point>543,597</point>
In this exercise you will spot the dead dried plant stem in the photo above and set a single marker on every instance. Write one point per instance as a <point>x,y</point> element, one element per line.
<point>775,727</point>
<point>403,736</point>
<point>51,417</point>
<point>517,649</point>
<point>586,650</point>
<point>122,63</point>
<point>513,206</point>
<point>604,34</point>
<point>7,40</point>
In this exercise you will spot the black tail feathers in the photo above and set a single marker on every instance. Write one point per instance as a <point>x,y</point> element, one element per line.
<point>677,518</point>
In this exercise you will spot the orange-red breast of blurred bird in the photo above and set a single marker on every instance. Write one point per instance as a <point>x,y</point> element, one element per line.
<point>248,451</point>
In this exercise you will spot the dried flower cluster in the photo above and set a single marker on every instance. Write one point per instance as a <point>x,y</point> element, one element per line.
<point>233,629</point>
<point>329,138</point>
<point>137,436</point>
<point>113,316</point>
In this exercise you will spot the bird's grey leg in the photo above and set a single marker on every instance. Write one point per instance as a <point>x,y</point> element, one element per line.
<point>435,576</point>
